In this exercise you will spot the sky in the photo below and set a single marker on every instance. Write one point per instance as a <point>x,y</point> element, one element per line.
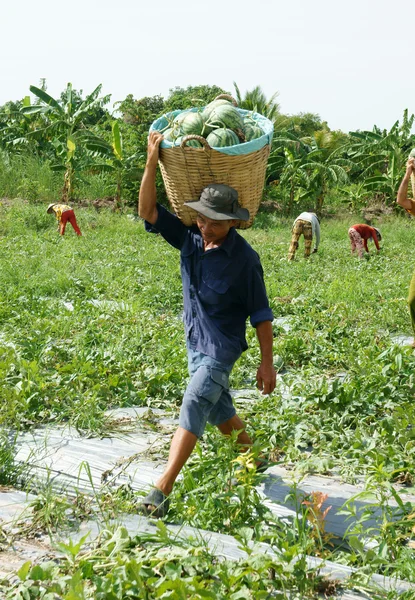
<point>352,63</point>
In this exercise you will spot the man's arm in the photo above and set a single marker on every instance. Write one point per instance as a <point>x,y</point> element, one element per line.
<point>266,375</point>
<point>402,198</point>
<point>317,240</point>
<point>147,198</point>
<point>375,239</point>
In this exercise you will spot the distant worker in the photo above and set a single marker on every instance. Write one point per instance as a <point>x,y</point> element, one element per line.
<point>307,224</point>
<point>64,213</point>
<point>360,234</point>
<point>409,206</point>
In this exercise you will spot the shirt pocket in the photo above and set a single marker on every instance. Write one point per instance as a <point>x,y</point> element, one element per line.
<point>214,291</point>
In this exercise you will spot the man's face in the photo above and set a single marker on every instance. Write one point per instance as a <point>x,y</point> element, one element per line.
<point>213,231</point>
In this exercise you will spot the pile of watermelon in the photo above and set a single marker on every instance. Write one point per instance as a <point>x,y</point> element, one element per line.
<point>220,123</point>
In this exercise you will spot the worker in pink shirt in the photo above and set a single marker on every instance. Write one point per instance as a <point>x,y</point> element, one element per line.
<point>360,234</point>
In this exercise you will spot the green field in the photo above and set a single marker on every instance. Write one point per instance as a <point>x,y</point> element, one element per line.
<point>95,322</point>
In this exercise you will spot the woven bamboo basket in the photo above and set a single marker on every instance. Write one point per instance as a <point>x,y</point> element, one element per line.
<point>186,170</point>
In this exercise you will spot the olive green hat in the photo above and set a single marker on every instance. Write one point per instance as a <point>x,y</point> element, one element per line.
<point>220,203</point>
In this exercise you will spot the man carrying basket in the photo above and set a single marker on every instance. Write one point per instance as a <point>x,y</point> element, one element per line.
<point>223,285</point>
<point>409,205</point>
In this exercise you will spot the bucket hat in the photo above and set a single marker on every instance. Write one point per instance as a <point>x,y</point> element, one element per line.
<point>378,233</point>
<point>220,203</point>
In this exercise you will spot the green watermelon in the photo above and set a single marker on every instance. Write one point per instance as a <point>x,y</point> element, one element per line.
<point>212,105</point>
<point>192,143</point>
<point>252,132</point>
<point>221,137</point>
<point>226,115</point>
<point>190,123</point>
<point>169,135</point>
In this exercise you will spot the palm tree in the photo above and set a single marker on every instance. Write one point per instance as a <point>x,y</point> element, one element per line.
<point>286,164</point>
<point>256,100</point>
<point>325,166</point>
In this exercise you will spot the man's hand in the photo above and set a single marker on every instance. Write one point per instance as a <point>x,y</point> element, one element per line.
<point>410,166</point>
<point>266,378</point>
<point>154,140</point>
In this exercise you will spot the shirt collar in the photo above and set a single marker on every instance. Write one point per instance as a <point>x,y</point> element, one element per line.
<point>229,242</point>
<point>227,246</point>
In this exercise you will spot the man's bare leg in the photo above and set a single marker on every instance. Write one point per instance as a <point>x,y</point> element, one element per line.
<point>236,424</point>
<point>181,447</point>
<point>244,441</point>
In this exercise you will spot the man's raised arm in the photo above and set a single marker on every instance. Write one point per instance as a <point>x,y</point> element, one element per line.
<point>402,198</point>
<point>147,197</point>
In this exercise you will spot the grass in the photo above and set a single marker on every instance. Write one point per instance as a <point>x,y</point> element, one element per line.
<point>93,323</point>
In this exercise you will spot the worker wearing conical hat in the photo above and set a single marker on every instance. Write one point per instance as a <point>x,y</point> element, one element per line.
<point>64,213</point>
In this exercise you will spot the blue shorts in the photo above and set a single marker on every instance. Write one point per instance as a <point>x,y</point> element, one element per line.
<point>207,398</point>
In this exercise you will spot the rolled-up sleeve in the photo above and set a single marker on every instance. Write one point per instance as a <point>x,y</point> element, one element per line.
<point>256,296</point>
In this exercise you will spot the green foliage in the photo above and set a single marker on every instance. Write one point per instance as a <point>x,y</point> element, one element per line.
<point>200,95</point>
<point>379,157</point>
<point>160,566</point>
<point>95,322</point>
<point>256,100</point>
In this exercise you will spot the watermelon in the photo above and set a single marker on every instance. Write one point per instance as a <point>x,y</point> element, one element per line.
<point>221,137</point>
<point>190,123</point>
<point>212,105</point>
<point>252,132</point>
<point>192,143</point>
<point>170,134</point>
<point>225,115</point>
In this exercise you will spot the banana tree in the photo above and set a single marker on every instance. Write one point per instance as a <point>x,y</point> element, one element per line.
<point>63,124</point>
<point>113,153</point>
<point>380,156</point>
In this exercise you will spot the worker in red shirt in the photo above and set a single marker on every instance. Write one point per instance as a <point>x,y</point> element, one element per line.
<point>360,234</point>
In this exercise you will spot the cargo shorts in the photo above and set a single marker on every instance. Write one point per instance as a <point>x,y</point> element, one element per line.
<point>207,398</point>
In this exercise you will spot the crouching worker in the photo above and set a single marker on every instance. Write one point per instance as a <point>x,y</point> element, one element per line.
<point>223,284</point>
<point>308,225</point>
<point>360,234</point>
<point>64,213</point>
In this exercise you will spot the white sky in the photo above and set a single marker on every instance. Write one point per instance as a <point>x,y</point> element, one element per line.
<point>353,63</point>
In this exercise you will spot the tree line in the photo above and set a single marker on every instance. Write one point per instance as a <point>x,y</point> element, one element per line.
<point>80,137</point>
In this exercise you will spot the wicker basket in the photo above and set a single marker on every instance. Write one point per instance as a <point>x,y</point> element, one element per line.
<point>187,170</point>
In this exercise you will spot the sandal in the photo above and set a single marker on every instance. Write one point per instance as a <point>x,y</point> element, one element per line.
<point>155,504</point>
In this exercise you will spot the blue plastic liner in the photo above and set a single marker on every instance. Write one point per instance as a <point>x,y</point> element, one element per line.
<point>244,148</point>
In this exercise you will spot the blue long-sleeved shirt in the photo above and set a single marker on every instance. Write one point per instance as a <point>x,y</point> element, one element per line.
<point>222,287</point>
